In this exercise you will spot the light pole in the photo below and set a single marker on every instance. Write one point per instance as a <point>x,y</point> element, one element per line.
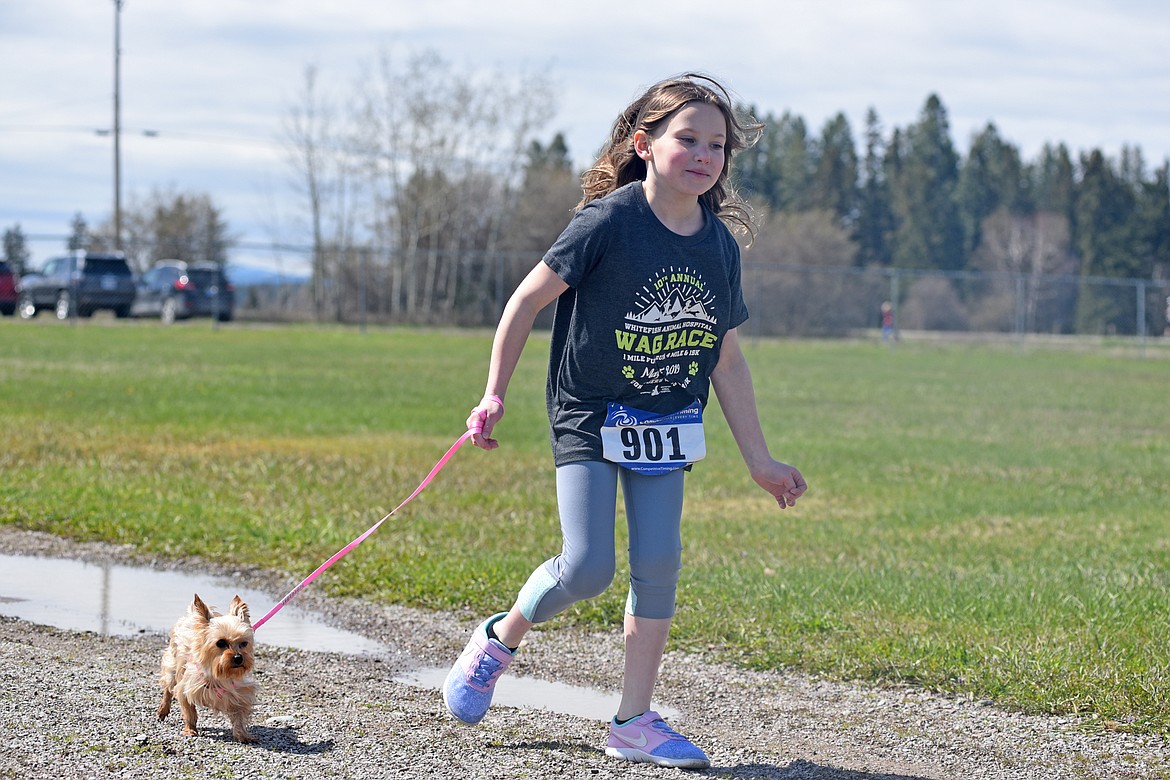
<point>118,123</point>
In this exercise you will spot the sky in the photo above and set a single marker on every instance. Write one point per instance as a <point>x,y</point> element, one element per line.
<point>206,84</point>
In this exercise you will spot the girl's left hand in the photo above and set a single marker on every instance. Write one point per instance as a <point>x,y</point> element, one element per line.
<point>785,483</point>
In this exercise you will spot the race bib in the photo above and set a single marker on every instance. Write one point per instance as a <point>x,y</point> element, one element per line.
<point>653,444</point>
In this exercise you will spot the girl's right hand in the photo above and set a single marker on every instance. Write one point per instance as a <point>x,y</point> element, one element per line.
<point>483,419</point>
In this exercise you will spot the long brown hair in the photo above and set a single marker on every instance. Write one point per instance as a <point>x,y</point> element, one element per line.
<point>617,164</point>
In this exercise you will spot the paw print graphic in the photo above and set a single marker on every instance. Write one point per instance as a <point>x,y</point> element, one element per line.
<point>694,368</point>
<point>628,372</point>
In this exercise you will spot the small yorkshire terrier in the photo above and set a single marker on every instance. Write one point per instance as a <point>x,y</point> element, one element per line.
<point>209,663</point>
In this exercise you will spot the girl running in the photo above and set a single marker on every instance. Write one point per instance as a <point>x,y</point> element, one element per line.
<point>646,279</point>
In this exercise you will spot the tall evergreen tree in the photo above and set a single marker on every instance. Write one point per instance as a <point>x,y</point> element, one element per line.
<point>553,157</point>
<point>757,168</point>
<point>1131,166</point>
<point>875,218</point>
<point>929,233</point>
<point>1152,225</point>
<point>834,183</point>
<point>794,165</point>
<point>1054,181</point>
<point>991,178</point>
<point>16,252</point>
<point>78,233</point>
<point>546,198</point>
<point>1103,207</point>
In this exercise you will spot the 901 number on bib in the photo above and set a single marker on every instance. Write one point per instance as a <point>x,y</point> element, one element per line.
<point>650,445</point>
<point>653,444</point>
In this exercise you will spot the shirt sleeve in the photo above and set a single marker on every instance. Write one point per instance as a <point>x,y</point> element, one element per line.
<point>739,310</point>
<point>580,246</point>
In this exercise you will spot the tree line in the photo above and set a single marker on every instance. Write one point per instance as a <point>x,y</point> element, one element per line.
<point>408,182</point>
<point>908,199</point>
<point>165,225</point>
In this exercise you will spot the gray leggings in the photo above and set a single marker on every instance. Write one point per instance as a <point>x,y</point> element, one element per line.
<point>585,567</point>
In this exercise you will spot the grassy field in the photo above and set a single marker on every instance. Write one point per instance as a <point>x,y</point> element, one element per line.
<point>988,520</point>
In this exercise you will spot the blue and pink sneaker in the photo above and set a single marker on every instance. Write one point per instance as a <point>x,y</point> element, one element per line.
<point>648,739</point>
<point>468,690</point>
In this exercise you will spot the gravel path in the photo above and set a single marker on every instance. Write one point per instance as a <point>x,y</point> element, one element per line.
<point>80,705</point>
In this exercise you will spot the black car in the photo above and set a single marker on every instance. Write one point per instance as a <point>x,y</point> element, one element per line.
<point>174,290</point>
<point>80,283</point>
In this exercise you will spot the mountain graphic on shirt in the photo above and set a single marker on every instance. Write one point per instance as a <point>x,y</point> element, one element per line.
<point>671,309</point>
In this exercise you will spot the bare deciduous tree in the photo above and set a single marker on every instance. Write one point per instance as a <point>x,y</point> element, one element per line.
<point>322,171</point>
<point>1029,248</point>
<point>441,154</point>
<point>168,225</point>
<point>792,300</point>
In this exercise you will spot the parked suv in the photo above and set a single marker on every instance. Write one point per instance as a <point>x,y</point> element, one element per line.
<point>81,283</point>
<point>174,290</point>
<point>8,293</point>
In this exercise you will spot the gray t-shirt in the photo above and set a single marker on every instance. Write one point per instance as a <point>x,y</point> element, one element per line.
<point>642,321</point>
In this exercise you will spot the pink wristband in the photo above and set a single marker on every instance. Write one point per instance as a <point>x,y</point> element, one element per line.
<point>496,398</point>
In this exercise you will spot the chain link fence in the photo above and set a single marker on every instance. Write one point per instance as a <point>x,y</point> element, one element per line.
<point>835,302</point>
<point>470,289</point>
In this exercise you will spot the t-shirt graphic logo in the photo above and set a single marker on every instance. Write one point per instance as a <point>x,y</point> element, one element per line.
<point>672,323</point>
<point>673,296</point>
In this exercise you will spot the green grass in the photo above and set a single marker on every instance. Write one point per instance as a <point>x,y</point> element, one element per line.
<point>985,520</point>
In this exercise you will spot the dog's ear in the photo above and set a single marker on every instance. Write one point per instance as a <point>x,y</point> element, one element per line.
<point>240,610</point>
<point>200,610</point>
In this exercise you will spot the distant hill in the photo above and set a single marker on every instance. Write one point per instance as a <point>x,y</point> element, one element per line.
<point>255,276</point>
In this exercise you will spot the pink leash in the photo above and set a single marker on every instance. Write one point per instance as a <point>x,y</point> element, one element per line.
<point>345,550</point>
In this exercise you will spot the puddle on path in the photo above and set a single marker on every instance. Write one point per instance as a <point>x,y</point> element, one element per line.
<point>118,600</point>
<point>513,691</point>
